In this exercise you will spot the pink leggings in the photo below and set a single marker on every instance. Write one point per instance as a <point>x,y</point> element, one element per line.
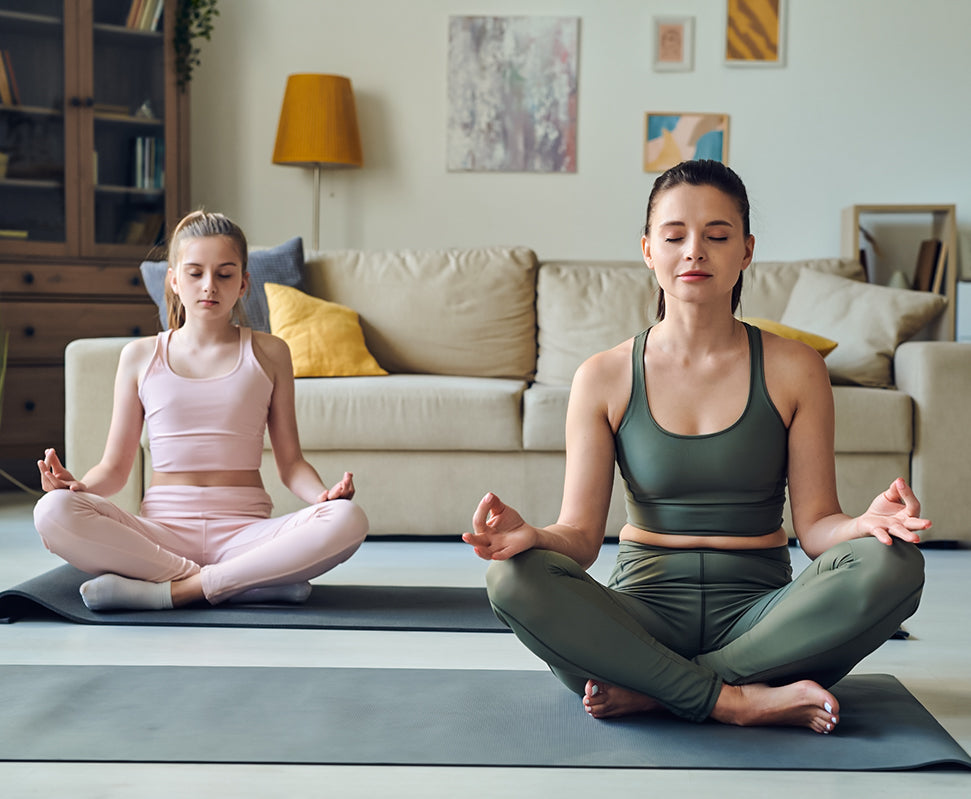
<point>225,533</point>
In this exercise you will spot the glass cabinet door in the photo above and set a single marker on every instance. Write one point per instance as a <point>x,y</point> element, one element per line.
<point>127,109</point>
<point>35,195</point>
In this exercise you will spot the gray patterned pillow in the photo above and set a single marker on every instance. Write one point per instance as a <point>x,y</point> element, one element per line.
<point>281,264</point>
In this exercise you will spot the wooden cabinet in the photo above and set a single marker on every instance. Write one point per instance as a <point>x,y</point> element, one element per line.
<point>93,173</point>
<point>915,224</point>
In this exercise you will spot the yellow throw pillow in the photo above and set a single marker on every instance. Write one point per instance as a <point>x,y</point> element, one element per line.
<point>325,338</point>
<point>823,346</point>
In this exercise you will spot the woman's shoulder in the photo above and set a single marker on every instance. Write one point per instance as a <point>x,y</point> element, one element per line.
<point>608,364</point>
<point>794,371</point>
<point>782,353</point>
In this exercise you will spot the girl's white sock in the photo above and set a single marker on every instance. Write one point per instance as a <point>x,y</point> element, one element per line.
<point>114,592</point>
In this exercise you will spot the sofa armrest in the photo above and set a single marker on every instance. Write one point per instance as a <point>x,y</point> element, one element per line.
<point>89,380</point>
<point>937,376</point>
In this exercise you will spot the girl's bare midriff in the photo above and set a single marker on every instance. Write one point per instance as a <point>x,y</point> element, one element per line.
<point>244,478</point>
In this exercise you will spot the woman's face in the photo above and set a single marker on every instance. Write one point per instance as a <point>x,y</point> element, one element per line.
<point>696,244</point>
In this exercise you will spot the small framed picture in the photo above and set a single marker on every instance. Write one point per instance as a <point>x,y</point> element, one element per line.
<point>671,137</point>
<point>755,33</point>
<point>674,44</point>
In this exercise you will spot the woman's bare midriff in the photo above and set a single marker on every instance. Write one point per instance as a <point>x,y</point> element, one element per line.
<point>777,539</point>
<point>246,479</point>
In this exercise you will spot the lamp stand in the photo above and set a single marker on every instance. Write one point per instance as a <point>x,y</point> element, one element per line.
<point>316,207</point>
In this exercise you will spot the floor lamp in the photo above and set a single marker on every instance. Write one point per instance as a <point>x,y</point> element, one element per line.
<point>318,128</point>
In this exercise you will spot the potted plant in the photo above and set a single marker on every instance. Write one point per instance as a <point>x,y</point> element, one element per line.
<point>193,20</point>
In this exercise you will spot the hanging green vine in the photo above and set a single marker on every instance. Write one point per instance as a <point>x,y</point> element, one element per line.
<point>193,20</point>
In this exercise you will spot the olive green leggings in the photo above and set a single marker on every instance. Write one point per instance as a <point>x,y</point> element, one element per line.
<point>675,624</point>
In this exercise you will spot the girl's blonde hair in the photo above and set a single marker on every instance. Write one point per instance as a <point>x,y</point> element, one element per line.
<point>197,225</point>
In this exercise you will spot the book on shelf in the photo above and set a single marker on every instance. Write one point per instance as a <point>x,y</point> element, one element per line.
<point>11,78</point>
<point>156,15</point>
<point>149,163</point>
<point>926,262</point>
<point>940,267</point>
<point>144,15</point>
<point>6,97</point>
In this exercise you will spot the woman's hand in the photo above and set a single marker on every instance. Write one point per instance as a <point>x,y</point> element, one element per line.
<point>499,532</point>
<point>342,490</point>
<point>54,476</point>
<point>895,513</point>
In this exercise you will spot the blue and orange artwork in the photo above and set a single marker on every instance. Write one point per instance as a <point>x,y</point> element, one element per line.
<point>671,138</point>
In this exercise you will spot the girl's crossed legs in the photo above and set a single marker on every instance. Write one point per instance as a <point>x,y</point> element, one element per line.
<point>222,536</point>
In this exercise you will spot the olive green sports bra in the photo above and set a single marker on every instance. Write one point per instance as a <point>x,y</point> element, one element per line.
<point>727,483</point>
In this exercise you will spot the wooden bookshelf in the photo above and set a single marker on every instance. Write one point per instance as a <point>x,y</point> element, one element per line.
<point>938,222</point>
<point>75,217</point>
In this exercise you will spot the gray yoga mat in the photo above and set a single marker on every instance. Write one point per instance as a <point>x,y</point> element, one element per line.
<point>357,607</point>
<point>423,717</point>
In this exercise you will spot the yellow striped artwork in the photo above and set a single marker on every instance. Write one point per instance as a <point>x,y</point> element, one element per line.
<point>753,34</point>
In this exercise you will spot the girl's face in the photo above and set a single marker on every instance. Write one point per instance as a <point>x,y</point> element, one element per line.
<point>697,245</point>
<point>209,278</point>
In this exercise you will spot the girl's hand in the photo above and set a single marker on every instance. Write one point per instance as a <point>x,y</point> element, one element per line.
<point>499,532</point>
<point>342,490</point>
<point>895,513</point>
<point>54,476</point>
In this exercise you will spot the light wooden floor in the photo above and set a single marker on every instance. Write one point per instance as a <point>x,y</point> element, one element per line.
<point>935,665</point>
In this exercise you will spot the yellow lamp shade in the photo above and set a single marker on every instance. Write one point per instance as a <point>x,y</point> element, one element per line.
<point>318,123</point>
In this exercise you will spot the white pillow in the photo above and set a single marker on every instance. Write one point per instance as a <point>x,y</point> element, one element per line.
<point>867,321</point>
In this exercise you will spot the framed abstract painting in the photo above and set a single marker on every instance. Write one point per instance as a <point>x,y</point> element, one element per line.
<point>512,94</point>
<point>673,137</point>
<point>755,33</point>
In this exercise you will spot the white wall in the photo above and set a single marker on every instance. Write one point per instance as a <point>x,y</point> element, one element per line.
<point>872,107</point>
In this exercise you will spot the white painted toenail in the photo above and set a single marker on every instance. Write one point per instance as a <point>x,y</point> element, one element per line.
<point>828,707</point>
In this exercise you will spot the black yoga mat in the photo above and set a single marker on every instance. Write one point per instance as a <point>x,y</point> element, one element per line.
<point>423,717</point>
<point>355,607</point>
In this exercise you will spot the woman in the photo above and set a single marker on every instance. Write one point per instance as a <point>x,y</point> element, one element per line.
<point>707,419</point>
<point>206,390</point>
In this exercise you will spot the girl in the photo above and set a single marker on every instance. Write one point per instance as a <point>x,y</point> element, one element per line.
<point>707,418</point>
<point>206,390</point>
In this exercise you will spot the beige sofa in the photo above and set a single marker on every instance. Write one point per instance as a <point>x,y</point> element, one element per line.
<point>481,346</point>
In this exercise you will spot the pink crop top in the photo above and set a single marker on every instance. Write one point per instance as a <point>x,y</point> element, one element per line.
<point>208,423</point>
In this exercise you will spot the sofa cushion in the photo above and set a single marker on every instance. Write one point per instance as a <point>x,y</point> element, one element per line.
<point>584,307</point>
<point>282,264</point>
<point>868,420</point>
<point>867,321</point>
<point>325,339</point>
<point>821,344</point>
<point>766,285</point>
<point>873,420</point>
<point>445,312</point>
<point>409,412</point>
<point>544,417</point>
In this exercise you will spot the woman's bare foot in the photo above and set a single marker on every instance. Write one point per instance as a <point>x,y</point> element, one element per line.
<point>603,701</point>
<point>800,704</point>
